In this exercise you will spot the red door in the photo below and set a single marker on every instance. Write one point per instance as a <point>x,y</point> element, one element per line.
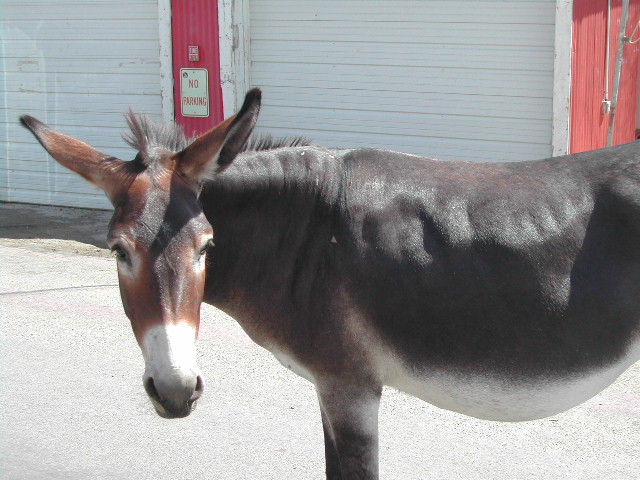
<point>196,60</point>
<point>589,125</point>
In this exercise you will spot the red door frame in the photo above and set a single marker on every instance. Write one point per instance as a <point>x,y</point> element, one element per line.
<point>195,23</point>
<point>589,126</point>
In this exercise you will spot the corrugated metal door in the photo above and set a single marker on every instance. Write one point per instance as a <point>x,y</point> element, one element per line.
<point>589,125</point>
<point>455,79</point>
<point>77,65</point>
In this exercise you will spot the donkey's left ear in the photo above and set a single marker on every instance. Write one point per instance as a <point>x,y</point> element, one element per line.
<point>215,150</point>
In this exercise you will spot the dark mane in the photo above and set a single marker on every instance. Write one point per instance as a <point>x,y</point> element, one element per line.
<point>266,141</point>
<point>146,136</point>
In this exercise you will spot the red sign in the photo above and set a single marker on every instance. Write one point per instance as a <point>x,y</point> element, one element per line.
<point>194,53</point>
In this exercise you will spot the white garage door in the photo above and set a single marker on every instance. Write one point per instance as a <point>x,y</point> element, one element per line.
<point>77,65</point>
<point>471,80</point>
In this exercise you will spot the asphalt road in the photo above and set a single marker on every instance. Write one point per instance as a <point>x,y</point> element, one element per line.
<point>72,404</point>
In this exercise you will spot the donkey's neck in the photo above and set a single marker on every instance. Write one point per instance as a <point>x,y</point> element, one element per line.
<point>272,213</point>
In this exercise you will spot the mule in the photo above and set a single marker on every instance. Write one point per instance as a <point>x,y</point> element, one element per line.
<point>504,291</point>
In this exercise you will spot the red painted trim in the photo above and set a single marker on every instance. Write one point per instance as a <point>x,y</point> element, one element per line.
<point>589,126</point>
<point>195,22</point>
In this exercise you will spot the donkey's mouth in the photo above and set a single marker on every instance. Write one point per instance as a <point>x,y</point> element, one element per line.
<point>171,412</point>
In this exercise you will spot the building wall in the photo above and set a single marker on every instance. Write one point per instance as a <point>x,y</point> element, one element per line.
<point>467,80</point>
<point>77,65</point>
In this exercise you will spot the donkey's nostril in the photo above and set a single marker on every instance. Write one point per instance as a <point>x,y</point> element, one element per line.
<point>197,393</point>
<point>150,388</point>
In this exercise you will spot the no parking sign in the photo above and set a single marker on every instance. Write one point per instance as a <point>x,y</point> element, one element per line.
<point>194,92</point>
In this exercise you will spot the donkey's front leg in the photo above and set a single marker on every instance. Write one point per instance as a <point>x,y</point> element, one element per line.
<point>350,422</point>
<point>332,462</point>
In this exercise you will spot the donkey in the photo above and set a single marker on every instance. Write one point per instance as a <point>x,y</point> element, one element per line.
<point>504,291</point>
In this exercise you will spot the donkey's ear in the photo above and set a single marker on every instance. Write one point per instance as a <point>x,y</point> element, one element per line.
<point>77,156</point>
<point>215,150</point>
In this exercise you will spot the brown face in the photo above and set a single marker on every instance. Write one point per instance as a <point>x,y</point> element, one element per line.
<point>160,238</point>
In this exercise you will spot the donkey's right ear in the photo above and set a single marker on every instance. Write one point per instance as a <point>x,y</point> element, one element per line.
<point>77,156</point>
<point>215,150</point>
<point>241,127</point>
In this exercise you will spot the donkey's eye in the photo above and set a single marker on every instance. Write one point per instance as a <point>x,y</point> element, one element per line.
<point>207,246</point>
<point>119,252</point>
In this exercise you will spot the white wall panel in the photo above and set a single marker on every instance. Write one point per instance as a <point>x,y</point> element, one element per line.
<point>471,80</point>
<point>77,65</point>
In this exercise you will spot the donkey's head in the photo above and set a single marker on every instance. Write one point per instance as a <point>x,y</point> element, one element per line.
<point>160,237</point>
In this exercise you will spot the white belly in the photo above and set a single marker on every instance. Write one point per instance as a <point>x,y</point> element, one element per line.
<point>505,400</point>
<point>485,397</point>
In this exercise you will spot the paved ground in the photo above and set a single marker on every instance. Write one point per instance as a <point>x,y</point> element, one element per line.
<point>72,404</point>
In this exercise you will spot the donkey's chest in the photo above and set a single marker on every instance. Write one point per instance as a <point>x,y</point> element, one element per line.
<point>291,363</point>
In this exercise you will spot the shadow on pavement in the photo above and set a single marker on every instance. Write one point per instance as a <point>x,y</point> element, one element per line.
<point>46,223</point>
